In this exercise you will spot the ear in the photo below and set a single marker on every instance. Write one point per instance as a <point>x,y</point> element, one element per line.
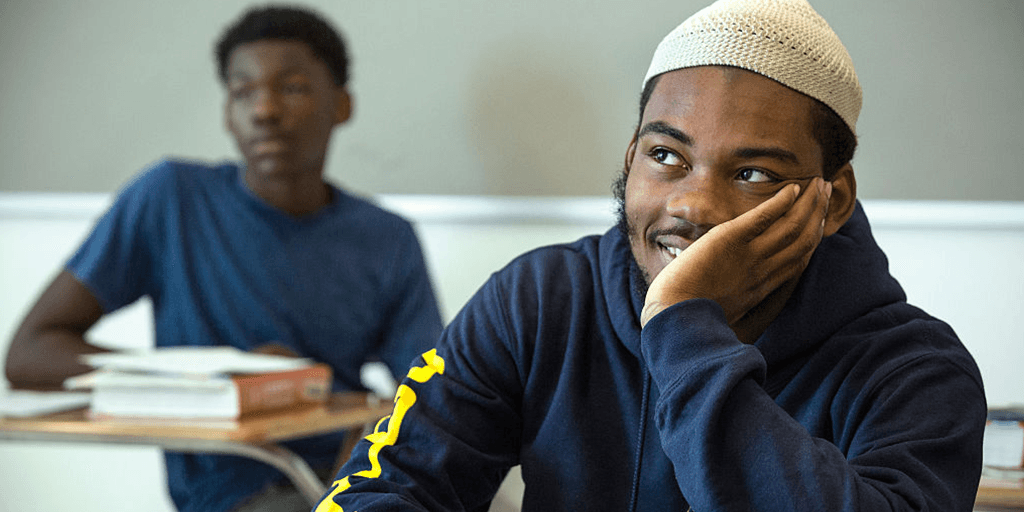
<point>843,201</point>
<point>630,152</point>
<point>228,123</point>
<point>343,105</point>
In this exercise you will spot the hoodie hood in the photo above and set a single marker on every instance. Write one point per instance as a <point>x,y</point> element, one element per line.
<point>620,278</point>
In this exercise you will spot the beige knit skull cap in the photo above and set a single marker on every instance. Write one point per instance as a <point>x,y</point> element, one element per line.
<point>785,40</point>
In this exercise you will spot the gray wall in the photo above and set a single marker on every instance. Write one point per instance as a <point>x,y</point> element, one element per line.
<point>508,98</point>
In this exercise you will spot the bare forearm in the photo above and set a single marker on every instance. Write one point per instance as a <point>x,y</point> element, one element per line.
<point>46,348</point>
<point>44,359</point>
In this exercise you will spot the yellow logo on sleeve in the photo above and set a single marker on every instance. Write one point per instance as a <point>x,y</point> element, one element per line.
<point>404,399</point>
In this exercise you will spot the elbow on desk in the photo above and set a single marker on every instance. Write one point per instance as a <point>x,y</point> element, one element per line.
<point>16,369</point>
<point>31,364</point>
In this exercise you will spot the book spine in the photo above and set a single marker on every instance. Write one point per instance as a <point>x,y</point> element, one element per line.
<point>271,391</point>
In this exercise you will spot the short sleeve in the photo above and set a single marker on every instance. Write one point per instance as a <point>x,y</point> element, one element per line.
<point>114,262</point>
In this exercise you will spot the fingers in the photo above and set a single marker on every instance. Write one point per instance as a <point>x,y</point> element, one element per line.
<point>274,349</point>
<point>789,243</point>
<point>756,221</point>
<point>801,226</point>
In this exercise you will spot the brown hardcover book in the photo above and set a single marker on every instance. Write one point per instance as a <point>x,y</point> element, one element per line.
<point>267,391</point>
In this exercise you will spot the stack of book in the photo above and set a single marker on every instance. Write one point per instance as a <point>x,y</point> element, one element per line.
<point>199,383</point>
<point>1003,449</point>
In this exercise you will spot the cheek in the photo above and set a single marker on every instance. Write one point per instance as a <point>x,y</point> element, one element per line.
<point>640,197</point>
<point>641,211</point>
<point>233,130</point>
<point>233,119</point>
<point>316,124</point>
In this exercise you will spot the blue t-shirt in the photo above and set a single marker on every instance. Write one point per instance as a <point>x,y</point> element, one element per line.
<point>343,286</point>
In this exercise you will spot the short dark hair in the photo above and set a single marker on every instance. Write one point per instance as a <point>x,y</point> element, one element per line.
<point>290,24</point>
<point>836,139</point>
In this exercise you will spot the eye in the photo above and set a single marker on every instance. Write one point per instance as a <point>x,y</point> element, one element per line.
<point>296,88</point>
<point>665,157</point>
<point>240,92</point>
<point>756,176</point>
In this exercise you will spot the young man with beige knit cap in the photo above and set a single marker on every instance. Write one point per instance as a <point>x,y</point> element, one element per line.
<point>735,343</point>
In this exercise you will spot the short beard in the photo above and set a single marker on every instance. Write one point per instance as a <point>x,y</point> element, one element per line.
<point>639,280</point>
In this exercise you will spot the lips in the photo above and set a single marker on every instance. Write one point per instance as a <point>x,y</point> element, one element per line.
<point>269,145</point>
<point>671,245</point>
<point>674,251</point>
<point>671,241</point>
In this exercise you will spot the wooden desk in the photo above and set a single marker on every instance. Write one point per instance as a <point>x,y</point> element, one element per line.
<point>255,437</point>
<point>994,498</point>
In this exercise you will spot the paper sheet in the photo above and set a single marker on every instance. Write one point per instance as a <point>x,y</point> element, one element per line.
<point>195,360</point>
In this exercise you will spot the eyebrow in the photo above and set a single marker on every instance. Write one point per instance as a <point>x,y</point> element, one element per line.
<point>776,153</point>
<point>287,72</point>
<point>663,128</point>
<point>779,154</point>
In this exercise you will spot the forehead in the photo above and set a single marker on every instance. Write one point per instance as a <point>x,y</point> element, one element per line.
<point>724,105</point>
<point>273,56</point>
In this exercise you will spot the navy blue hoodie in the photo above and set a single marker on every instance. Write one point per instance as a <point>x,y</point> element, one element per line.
<point>852,400</point>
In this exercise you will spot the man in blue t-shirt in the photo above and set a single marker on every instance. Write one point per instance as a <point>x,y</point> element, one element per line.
<point>261,255</point>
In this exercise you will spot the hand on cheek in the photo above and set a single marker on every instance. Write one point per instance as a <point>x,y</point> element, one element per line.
<point>739,262</point>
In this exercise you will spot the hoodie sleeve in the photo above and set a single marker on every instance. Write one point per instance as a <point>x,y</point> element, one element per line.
<point>455,428</point>
<point>907,438</point>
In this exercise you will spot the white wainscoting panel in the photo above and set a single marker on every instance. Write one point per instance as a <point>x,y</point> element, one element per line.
<point>959,261</point>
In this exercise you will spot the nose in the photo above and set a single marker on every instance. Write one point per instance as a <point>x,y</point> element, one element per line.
<point>266,106</point>
<point>701,200</point>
